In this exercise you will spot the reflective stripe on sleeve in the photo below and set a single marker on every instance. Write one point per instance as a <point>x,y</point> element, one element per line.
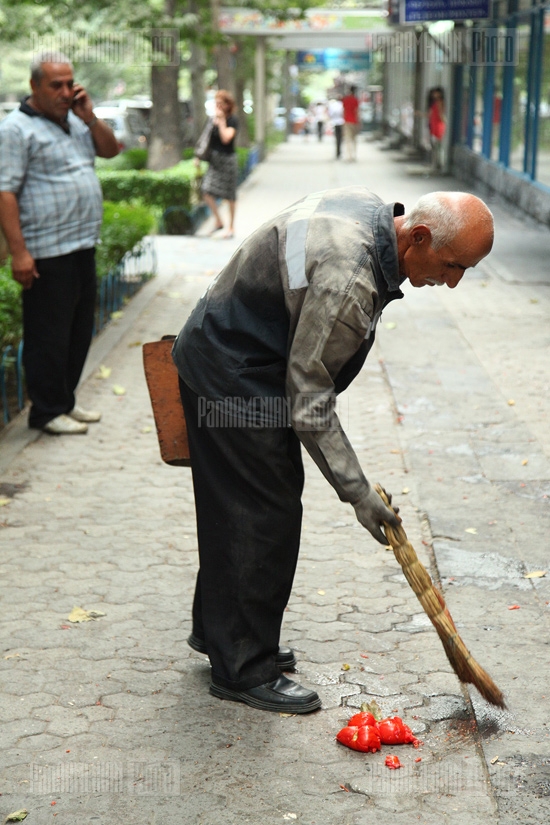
<point>296,235</point>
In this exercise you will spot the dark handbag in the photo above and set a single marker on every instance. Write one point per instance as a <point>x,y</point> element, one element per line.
<point>202,147</point>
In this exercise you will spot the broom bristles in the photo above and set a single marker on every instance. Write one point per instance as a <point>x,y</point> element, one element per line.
<point>433,603</point>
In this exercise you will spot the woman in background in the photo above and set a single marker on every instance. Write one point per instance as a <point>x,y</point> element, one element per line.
<point>436,125</point>
<point>220,181</point>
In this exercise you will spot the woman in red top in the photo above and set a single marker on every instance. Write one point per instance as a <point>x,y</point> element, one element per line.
<point>436,125</point>
<point>351,123</point>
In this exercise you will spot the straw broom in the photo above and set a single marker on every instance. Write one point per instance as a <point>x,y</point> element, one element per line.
<point>462,662</point>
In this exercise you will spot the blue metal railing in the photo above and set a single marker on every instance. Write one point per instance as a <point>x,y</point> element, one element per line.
<point>15,361</point>
<point>115,289</point>
<point>124,280</point>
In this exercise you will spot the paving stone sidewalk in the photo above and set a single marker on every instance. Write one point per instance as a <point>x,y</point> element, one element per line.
<point>110,721</point>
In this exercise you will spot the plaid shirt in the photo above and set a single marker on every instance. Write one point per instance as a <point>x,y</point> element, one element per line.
<point>292,318</point>
<point>51,171</point>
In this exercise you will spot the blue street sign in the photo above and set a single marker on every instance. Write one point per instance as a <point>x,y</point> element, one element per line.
<point>424,11</point>
<point>340,59</point>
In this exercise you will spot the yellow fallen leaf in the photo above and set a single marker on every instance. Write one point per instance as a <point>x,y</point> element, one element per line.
<point>116,315</point>
<point>406,490</point>
<point>118,390</point>
<point>372,707</point>
<point>4,501</point>
<point>535,574</point>
<point>533,300</point>
<point>395,452</point>
<point>494,759</point>
<point>511,402</point>
<point>78,614</point>
<point>345,666</point>
<point>471,530</point>
<point>12,655</point>
<point>103,372</point>
<point>135,344</point>
<point>390,325</point>
<point>17,816</point>
<point>524,462</point>
<point>321,592</point>
<point>146,429</point>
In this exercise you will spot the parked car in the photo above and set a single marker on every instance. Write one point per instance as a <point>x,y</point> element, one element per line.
<point>279,119</point>
<point>130,126</point>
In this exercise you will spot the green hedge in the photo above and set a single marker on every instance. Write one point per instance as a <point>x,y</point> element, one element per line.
<point>130,159</point>
<point>171,187</point>
<point>11,320</point>
<point>124,225</point>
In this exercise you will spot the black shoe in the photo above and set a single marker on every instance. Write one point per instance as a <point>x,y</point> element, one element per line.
<point>282,695</point>
<point>285,658</point>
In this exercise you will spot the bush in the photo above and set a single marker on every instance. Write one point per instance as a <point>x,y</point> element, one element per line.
<point>124,225</point>
<point>171,187</point>
<point>11,321</point>
<point>130,159</point>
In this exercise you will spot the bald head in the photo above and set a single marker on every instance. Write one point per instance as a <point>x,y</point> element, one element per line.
<point>451,217</point>
<point>444,234</point>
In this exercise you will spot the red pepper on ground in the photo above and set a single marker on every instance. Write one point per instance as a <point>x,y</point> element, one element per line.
<point>365,739</point>
<point>395,732</point>
<point>363,718</point>
<point>393,763</point>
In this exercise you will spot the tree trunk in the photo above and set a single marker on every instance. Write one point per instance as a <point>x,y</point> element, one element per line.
<point>165,142</point>
<point>197,66</point>
<point>166,138</point>
<point>224,60</point>
<point>224,65</point>
<point>243,137</point>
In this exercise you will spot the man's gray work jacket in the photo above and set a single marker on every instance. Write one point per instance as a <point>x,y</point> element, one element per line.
<point>289,321</point>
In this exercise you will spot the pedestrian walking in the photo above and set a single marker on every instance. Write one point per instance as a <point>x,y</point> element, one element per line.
<point>220,181</point>
<point>336,115</point>
<point>351,123</point>
<point>283,329</point>
<point>436,125</point>
<point>51,212</point>
<point>320,115</point>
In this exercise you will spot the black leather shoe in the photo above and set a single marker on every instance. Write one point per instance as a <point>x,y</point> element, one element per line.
<point>282,695</point>
<point>285,658</point>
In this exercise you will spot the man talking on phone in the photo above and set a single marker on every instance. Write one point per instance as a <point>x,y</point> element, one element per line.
<point>51,212</point>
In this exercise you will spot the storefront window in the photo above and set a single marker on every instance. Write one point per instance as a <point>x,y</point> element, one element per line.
<point>543,157</point>
<point>519,101</point>
<point>478,109</point>
<point>497,113</point>
<point>465,113</point>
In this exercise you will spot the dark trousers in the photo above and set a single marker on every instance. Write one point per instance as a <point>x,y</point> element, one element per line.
<point>58,322</point>
<point>248,484</point>
<point>338,136</point>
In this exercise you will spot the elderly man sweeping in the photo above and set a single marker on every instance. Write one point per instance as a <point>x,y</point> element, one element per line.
<point>283,329</point>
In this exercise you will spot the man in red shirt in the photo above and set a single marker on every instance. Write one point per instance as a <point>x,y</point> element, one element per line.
<point>351,123</point>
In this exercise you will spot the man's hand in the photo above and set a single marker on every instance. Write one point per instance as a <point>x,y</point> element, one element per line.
<point>371,512</point>
<point>23,269</point>
<point>82,103</point>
